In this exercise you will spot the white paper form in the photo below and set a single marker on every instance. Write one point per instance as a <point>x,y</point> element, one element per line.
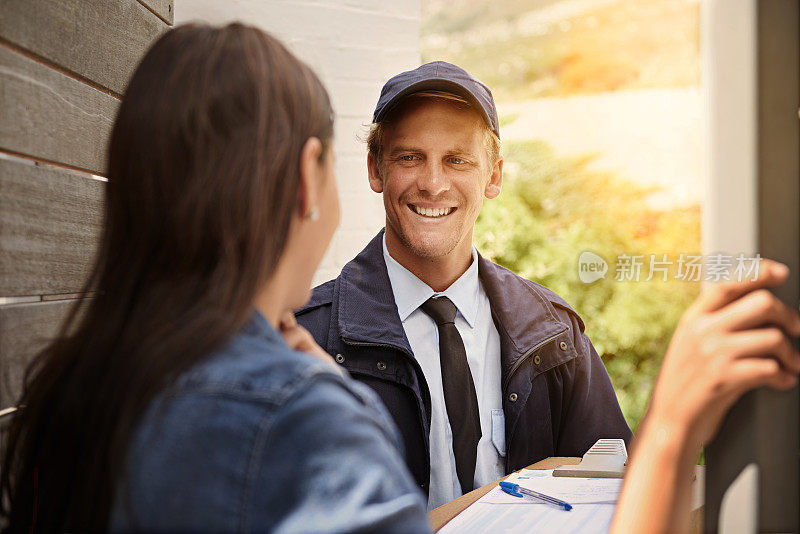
<point>593,504</point>
<point>573,490</point>
<point>487,517</point>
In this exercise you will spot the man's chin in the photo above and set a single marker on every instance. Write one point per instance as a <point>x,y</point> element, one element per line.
<point>430,249</point>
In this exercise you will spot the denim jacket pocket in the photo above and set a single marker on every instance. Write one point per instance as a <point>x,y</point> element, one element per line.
<point>499,431</point>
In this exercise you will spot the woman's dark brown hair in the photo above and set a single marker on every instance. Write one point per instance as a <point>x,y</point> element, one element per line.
<point>203,183</point>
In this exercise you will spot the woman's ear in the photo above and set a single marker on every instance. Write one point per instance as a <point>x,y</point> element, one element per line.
<point>311,170</point>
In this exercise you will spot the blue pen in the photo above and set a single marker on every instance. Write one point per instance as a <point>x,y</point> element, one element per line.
<point>518,491</point>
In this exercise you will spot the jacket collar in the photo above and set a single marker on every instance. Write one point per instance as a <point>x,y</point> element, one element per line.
<point>516,306</point>
<point>367,312</point>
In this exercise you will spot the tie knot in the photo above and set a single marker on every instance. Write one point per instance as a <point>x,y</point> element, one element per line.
<point>440,309</point>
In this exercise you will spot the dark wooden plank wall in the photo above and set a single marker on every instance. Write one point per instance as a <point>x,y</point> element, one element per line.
<point>50,116</point>
<point>98,41</point>
<point>64,65</point>
<point>46,254</point>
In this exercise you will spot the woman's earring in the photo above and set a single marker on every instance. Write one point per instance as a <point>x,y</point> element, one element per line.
<point>313,215</point>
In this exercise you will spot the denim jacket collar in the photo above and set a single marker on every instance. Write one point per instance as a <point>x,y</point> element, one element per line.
<point>258,326</point>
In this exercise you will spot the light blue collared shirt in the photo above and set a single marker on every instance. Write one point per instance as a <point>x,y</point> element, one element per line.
<point>482,343</point>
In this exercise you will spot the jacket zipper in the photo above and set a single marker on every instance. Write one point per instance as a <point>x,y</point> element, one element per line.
<point>528,355</point>
<point>514,370</point>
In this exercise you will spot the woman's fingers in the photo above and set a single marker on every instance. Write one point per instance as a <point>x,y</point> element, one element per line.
<point>300,339</point>
<point>288,320</point>
<point>770,274</point>
<point>731,340</point>
<point>750,373</point>
<point>293,337</point>
<point>757,309</point>
<point>764,343</point>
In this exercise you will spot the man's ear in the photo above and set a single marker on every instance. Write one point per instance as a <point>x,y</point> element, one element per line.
<point>492,189</point>
<point>375,180</point>
<point>308,192</point>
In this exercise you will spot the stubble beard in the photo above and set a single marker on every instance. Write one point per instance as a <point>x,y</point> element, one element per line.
<point>428,250</point>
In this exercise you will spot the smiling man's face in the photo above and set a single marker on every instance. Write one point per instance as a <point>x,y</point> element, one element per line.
<point>434,176</point>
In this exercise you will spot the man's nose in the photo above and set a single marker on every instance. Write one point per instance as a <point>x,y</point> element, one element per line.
<point>433,179</point>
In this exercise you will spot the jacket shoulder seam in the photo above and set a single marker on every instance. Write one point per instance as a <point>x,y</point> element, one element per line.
<point>264,426</point>
<point>536,290</point>
<point>555,300</point>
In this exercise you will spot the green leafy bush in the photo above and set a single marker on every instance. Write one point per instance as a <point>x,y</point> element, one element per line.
<point>552,209</point>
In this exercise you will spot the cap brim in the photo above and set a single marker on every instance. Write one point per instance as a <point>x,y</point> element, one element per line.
<point>434,84</point>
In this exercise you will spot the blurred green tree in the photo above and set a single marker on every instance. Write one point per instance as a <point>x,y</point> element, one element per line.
<point>552,209</point>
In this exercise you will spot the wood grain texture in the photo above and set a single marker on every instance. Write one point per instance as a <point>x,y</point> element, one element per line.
<point>164,8</point>
<point>101,40</point>
<point>25,329</point>
<point>50,222</point>
<point>49,115</point>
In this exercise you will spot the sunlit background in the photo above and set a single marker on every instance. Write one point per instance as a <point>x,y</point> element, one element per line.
<point>601,124</point>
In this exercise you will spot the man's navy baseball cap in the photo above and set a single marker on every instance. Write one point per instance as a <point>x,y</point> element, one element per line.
<point>438,76</point>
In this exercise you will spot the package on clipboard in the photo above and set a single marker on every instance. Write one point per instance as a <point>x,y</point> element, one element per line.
<point>606,459</point>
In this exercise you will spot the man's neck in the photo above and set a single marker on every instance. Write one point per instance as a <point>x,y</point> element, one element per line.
<point>439,272</point>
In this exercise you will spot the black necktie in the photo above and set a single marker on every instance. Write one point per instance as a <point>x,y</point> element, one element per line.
<point>459,389</point>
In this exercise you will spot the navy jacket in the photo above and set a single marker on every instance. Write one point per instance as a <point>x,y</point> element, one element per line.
<point>557,397</point>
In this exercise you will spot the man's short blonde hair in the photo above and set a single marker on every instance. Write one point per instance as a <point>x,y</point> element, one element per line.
<point>377,131</point>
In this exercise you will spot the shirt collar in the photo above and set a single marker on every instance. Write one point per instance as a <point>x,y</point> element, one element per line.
<point>410,292</point>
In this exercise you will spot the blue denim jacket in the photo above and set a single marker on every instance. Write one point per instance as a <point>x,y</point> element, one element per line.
<point>263,438</point>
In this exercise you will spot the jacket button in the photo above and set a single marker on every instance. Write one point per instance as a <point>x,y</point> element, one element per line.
<point>563,345</point>
<point>339,358</point>
<point>537,360</point>
<point>512,397</point>
<point>381,366</point>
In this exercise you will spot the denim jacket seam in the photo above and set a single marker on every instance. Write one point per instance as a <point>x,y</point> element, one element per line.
<point>261,393</point>
<point>273,396</point>
<point>263,432</point>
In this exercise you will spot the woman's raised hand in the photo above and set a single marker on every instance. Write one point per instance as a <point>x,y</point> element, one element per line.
<point>298,338</point>
<point>733,338</point>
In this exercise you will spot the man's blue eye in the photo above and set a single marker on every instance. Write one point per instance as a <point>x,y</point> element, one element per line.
<point>407,157</point>
<point>457,161</point>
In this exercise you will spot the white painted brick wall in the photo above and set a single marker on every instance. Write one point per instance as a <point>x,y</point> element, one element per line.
<point>354,46</point>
